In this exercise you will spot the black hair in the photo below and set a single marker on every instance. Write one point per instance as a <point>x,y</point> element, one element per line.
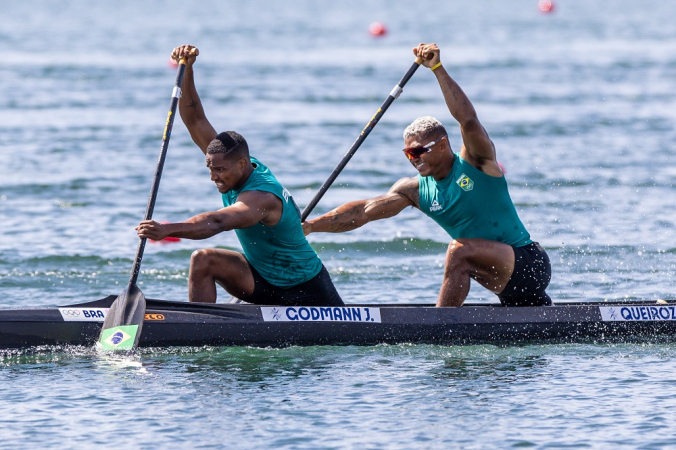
<point>231,144</point>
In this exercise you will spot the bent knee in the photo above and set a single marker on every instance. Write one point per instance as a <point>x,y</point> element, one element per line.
<point>458,255</point>
<point>200,254</point>
<point>200,259</point>
<point>205,258</point>
<point>459,249</point>
<point>210,258</point>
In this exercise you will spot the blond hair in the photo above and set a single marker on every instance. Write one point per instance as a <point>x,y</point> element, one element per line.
<point>424,127</point>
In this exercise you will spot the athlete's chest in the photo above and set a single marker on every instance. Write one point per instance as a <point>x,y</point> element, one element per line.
<point>456,192</point>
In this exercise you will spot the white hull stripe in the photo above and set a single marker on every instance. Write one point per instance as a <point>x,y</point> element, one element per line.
<point>320,314</point>
<point>83,314</point>
<point>638,313</point>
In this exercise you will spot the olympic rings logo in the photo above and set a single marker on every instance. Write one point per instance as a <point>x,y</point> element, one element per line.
<point>71,312</point>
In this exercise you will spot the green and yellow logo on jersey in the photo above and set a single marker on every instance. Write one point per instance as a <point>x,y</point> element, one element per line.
<point>465,183</point>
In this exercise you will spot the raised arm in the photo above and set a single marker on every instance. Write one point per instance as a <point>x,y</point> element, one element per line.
<point>477,146</point>
<point>190,106</point>
<point>251,208</point>
<point>358,213</point>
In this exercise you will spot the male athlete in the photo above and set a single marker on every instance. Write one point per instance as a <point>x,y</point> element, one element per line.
<point>466,194</point>
<point>278,266</point>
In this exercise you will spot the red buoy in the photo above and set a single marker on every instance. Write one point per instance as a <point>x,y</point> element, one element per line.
<point>546,6</point>
<point>377,29</point>
<point>166,240</point>
<point>171,239</point>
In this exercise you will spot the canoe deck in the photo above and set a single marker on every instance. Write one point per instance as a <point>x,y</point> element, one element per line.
<point>170,323</point>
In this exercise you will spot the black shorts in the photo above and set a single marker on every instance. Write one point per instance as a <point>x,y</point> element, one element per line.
<point>319,291</point>
<point>531,276</point>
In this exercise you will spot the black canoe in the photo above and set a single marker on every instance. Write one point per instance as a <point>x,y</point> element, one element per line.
<point>192,324</point>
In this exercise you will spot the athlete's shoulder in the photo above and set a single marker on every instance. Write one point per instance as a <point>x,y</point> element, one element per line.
<point>261,176</point>
<point>407,187</point>
<point>258,198</point>
<point>488,166</point>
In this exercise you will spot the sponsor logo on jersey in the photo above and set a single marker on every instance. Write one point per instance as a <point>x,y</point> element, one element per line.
<point>465,183</point>
<point>83,314</point>
<point>320,314</point>
<point>637,313</point>
<point>435,206</point>
<point>286,195</point>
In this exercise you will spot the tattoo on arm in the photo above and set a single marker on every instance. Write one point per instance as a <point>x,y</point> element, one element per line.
<point>338,224</point>
<point>450,86</point>
<point>193,104</point>
<point>413,194</point>
<point>410,190</point>
<point>453,88</point>
<point>355,214</point>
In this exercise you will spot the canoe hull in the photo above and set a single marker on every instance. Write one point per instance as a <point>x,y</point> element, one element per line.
<point>183,324</point>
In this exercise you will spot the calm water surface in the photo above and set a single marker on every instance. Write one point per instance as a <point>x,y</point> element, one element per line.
<point>580,104</point>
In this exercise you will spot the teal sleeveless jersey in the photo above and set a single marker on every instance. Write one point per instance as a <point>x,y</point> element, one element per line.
<point>470,204</point>
<point>281,254</point>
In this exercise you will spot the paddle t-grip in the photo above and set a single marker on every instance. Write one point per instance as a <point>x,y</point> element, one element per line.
<point>419,60</point>
<point>193,51</point>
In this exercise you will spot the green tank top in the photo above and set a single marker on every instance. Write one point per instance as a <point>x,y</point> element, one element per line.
<point>470,204</point>
<point>281,254</point>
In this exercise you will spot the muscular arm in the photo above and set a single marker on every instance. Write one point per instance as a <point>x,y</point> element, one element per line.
<point>474,136</point>
<point>358,213</point>
<point>477,146</point>
<point>190,105</point>
<point>251,208</point>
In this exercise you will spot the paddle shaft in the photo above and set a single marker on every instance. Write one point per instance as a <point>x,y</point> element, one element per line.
<point>175,95</point>
<point>362,137</point>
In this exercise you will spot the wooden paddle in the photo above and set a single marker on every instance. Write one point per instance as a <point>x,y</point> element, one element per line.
<point>122,326</point>
<point>362,137</point>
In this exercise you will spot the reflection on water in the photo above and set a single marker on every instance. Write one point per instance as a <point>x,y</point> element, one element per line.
<point>504,370</point>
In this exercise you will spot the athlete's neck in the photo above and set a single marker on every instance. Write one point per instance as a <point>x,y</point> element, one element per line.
<point>248,170</point>
<point>444,168</point>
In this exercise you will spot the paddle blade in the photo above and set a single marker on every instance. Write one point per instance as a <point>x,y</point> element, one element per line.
<point>122,326</point>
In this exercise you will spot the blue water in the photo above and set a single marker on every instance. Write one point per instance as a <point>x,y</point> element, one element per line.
<point>580,104</point>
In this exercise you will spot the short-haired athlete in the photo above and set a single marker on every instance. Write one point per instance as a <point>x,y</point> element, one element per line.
<point>278,266</point>
<point>466,194</point>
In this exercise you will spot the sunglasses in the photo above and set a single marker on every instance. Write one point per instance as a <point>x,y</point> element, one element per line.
<point>415,152</point>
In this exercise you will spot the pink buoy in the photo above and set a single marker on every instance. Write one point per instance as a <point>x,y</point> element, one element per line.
<point>546,6</point>
<point>377,29</point>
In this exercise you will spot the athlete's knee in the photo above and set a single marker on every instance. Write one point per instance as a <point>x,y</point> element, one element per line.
<point>458,255</point>
<point>201,260</point>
